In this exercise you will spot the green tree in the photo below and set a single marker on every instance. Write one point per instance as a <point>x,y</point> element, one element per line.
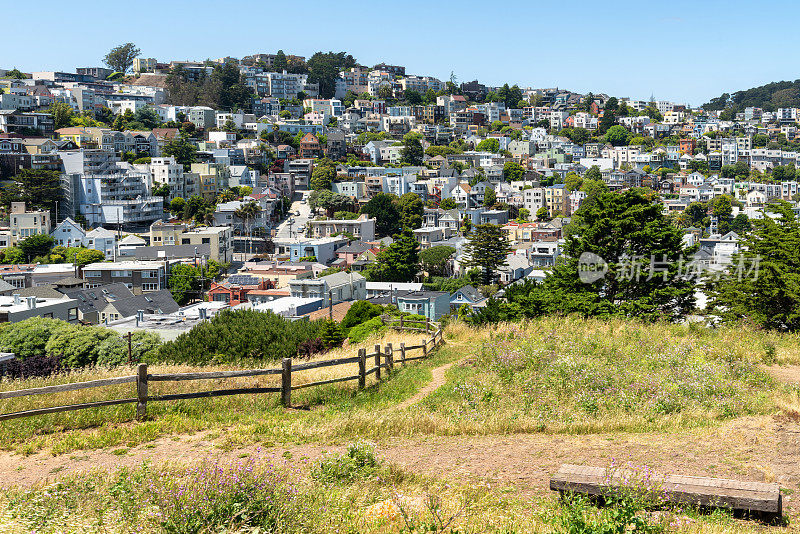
<point>85,256</point>
<point>489,145</point>
<point>573,181</point>
<point>383,208</point>
<point>279,64</point>
<point>435,260</point>
<point>762,284</point>
<point>13,255</point>
<point>182,282</point>
<point>121,57</point>
<point>609,117</point>
<point>183,150</point>
<point>37,188</point>
<point>177,206</point>
<point>487,248</point>
<point>360,312</point>
<point>411,211</point>
<point>399,262</point>
<point>36,245</point>
<point>324,68</point>
<point>232,335</point>
<point>62,114</point>
<point>448,203</point>
<point>113,350</point>
<point>617,135</point>
<point>542,214</point>
<point>513,171</point>
<point>29,337</point>
<point>323,175</point>
<point>644,255</point>
<point>78,345</point>
<point>412,153</point>
<point>489,197</point>
<point>331,334</point>
<point>524,214</point>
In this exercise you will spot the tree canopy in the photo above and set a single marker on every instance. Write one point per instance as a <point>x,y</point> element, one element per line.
<point>384,209</point>
<point>120,58</point>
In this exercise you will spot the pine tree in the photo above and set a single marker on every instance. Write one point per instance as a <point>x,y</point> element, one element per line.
<point>331,334</point>
<point>487,248</point>
<point>762,285</point>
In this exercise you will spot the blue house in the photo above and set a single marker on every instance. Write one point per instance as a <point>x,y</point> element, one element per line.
<point>466,295</point>
<point>430,304</point>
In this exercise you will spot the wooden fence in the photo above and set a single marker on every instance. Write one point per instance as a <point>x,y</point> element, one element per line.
<point>384,359</point>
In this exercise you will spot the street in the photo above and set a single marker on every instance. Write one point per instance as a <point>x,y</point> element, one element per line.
<point>295,223</point>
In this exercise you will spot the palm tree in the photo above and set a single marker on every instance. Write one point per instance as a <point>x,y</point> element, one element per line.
<point>248,212</point>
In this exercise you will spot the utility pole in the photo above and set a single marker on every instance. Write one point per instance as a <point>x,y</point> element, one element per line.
<point>129,336</point>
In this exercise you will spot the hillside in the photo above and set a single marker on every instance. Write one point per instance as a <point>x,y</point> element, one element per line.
<point>768,97</point>
<point>468,437</point>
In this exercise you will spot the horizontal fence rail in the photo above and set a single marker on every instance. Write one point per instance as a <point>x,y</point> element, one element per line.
<point>384,359</point>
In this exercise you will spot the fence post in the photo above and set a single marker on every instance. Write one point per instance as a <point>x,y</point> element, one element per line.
<point>427,325</point>
<point>401,322</point>
<point>362,368</point>
<point>141,391</point>
<point>378,362</point>
<point>390,357</point>
<point>286,383</point>
<point>403,353</point>
<point>424,348</point>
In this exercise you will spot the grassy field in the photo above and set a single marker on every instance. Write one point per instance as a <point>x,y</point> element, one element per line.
<point>351,492</point>
<point>549,377</point>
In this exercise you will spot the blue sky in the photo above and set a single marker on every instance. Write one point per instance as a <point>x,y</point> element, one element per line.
<point>684,51</point>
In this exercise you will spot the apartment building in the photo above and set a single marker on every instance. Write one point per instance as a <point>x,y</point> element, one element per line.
<point>23,223</point>
<point>138,276</point>
<point>362,228</point>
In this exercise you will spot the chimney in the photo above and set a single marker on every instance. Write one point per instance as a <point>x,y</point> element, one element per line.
<point>17,299</point>
<point>139,317</point>
<point>203,313</point>
<point>31,303</point>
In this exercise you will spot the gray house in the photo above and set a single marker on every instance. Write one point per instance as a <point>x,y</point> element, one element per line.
<point>339,287</point>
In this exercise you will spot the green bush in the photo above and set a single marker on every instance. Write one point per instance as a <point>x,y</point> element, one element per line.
<point>359,462</point>
<point>29,337</point>
<point>359,333</point>
<point>360,312</point>
<point>79,345</point>
<point>235,335</point>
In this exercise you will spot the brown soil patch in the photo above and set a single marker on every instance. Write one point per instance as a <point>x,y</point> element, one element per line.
<point>784,373</point>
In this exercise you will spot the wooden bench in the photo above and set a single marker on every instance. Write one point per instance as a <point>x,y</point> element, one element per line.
<point>764,499</point>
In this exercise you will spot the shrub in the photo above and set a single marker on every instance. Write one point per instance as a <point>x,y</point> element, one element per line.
<point>29,337</point>
<point>78,345</point>
<point>234,335</point>
<point>331,334</point>
<point>359,462</point>
<point>34,366</point>
<point>113,350</point>
<point>360,312</point>
<point>359,333</point>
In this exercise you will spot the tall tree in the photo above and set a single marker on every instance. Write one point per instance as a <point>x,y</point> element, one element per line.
<point>183,150</point>
<point>489,197</point>
<point>323,174</point>
<point>62,114</point>
<point>411,211</point>
<point>121,57</point>
<point>279,64</point>
<point>762,284</point>
<point>324,68</point>
<point>399,262</point>
<point>487,248</point>
<point>37,188</point>
<point>383,208</point>
<point>412,153</point>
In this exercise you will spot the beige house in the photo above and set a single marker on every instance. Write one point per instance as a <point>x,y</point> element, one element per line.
<point>24,223</point>
<point>218,238</point>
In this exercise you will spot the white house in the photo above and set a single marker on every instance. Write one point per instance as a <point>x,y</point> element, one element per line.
<point>103,240</point>
<point>68,233</point>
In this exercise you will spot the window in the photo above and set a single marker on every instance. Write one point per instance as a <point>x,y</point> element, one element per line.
<point>149,274</point>
<point>91,274</point>
<point>206,241</point>
<point>149,287</point>
<point>121,274</point>
<point>72,314</point>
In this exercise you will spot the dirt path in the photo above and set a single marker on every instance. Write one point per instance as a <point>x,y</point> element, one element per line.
<point>752,449</point>
<point>436,382</point>
<point>784,373</point>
